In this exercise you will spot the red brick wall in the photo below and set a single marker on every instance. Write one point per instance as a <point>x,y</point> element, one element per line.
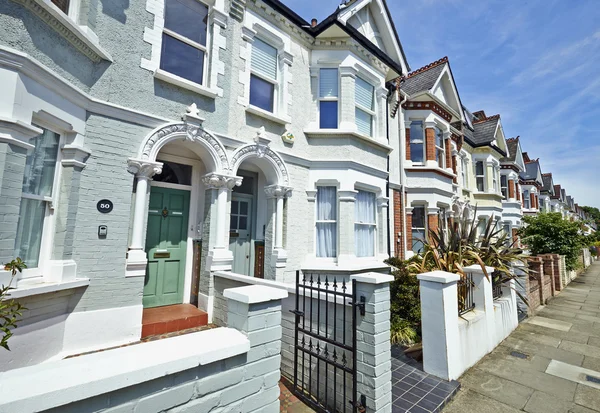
<point>409,232</point>
<point>535,292</point>
<point>511,188</point>
<point>454,169</point>
<point>398,224</point>
<point>432,223</point>
<point>549,277</point>
<point>518,192</point>
<point>407,144</point>
<point>532,200</point>
<point>448,147</point>
<point>430,144</point>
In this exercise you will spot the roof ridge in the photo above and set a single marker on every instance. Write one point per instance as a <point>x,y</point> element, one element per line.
<point>493,117</point>
<point>426,68</point>
<point>547,174</point>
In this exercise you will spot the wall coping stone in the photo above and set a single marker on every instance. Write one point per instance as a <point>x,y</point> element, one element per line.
<point>36,388</point>
<point>252,294</point>
<point>441,277</point>
<point>477,268</point>
<point>372,278</point>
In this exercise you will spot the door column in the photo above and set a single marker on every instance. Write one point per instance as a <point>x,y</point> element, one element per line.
<point>136,256</point>
<point>277,193</point>
<point>220,258</point>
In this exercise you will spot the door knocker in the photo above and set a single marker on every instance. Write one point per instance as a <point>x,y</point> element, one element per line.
<point>165,212</point>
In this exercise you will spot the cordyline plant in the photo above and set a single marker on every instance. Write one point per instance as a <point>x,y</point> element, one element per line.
<point>10,310</point>
<point>460,247</point>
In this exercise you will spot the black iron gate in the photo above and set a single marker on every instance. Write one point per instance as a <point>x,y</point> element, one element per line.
<point>325,346</point>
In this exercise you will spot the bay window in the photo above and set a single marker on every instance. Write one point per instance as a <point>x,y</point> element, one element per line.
<point>326,225</point>
<point>184,39</point>
<point>504,186</point>
<point>364,224</point>
<point>263,75</point>
<point>418,229</point>
<point>417,142</point>
<point>365,110</point>
<point>38,190</point>
<point>481,227</point>
<point>480,175</point>
<point>440,151</point>
<point>328,98</point>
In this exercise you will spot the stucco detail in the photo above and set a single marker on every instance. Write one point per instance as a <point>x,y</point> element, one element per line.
<point>262,152</point>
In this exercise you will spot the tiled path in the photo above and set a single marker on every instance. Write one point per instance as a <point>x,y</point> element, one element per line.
<point>550,364</point>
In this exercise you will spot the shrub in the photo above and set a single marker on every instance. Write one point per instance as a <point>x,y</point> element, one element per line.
<point>549,233</point>
<point>10,310</point>
<point>405,304</point>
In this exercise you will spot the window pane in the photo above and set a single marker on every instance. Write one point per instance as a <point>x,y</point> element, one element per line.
<point>29,231</point>
<point>233,222</point>
<point>264,59</point>
<point>364,122</point>
<point>479,168</point>
<point>243,223</point>
<point>40,165</point>
<point>261,93</point>
<point>439,138</point>
<point>187,18</point>
<point>235,207</point>
<point>329,115</point>
<point>326,203</point>
<point>63,5</point>
<point>244,208</point>
<point>416,152</point>
<point>328,83</point>
<point>174,173</point>
<point>480,184</point>
<point>364,207</point>
<point>326,240</point>
<point>364,92</point>
<point>416,132</point>
<point>418,217</point>
<point>364,240</point>
<point>418,238</point>
<point>181,59</point>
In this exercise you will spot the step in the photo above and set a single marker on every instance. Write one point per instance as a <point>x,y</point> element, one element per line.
<point>171,318</point>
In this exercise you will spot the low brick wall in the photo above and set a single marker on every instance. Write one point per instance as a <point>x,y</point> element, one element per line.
<point>224,369</point>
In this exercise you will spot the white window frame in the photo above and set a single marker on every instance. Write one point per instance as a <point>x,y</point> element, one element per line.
<point>526,199</point>
<point>483,176</point>
<point>440,149</point>
<point>328,98</point>
<point>374,224</point>
<point>464,164</point>
<point>275,82</point>
<point>504,189</point>
<point>189,42</point>
<point>371,112</point>
<point>413,228</point>
<point>495,174</point>
<point>48,226</point>
<point>336,221</point>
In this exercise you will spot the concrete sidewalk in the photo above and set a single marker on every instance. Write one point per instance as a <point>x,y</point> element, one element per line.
<point>551,363</point>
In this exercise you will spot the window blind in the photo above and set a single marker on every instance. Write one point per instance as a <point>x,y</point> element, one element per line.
<point>264,59</point>
<point>328,86</point>
<point>364,94</point>
<point>364,122</point>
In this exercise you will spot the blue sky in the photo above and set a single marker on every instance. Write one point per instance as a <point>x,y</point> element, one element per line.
<point>535,62</point>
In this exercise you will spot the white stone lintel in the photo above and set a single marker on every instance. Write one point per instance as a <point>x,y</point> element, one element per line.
<point>441,277</point>
<point>253,294</point>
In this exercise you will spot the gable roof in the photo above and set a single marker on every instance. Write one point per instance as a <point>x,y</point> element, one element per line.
<point>484,131</point>
<point>512,146</point>
<point>423,79</point>
<point>557,192</point>
<point>333,19</point>
<point>548,184</point>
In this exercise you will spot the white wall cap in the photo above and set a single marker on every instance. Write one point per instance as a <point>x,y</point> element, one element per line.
<point>477,268</point>
<point>441,277</point>
<point>372,278</point>
<point>36,388</point>
<point>252,294</point>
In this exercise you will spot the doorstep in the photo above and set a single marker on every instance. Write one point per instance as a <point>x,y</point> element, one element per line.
<point>172,318</point>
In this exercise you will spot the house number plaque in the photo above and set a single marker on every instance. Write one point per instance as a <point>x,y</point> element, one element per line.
<point>104,206</point>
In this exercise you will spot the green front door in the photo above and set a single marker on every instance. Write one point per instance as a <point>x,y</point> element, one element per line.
<point>166,242</point>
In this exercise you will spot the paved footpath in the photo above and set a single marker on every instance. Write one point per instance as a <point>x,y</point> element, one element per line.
<point>550,363</point>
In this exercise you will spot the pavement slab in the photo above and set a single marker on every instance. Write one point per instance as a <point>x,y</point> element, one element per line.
<point>550,323</point>
<point>469,401</point>
<point>588,397</point>
<point>576,374</point>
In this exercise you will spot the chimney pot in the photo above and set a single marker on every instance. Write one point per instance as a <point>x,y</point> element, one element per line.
<point>313,22</point>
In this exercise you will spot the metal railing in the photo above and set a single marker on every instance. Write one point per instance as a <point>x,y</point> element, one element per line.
<point>464,286</point>
<point>496,290</point>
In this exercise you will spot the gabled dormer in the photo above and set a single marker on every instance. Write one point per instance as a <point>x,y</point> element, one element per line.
<point>514,155</point>
<point>533,172</point>
<point>488,131</point>
<point>432,87</point>
<point>548,186</point>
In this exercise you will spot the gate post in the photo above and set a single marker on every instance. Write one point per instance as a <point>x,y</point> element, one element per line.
<point>374,359</point>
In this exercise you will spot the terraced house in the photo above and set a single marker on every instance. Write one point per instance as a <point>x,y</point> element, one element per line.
<point>147,145</point>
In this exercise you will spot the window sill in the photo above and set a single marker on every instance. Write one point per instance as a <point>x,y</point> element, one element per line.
<point>268,115</point>
<point>347,265</point>
<point>28,288</point>
<point>328,133</point>
<point>184,83</point>
<point>77,36</point>
<point>423,167</point>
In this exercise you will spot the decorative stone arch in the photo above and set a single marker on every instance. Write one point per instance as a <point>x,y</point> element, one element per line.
<point>191,130</point>
<point>277,174</point>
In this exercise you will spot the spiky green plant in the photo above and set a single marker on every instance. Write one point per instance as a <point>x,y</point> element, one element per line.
<point>460,246</point>
<point>10,310</point>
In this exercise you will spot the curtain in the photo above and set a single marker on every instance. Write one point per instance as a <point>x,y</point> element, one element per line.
<point>364,226</point>
<point>264,59</point>
<point>326,221</point>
